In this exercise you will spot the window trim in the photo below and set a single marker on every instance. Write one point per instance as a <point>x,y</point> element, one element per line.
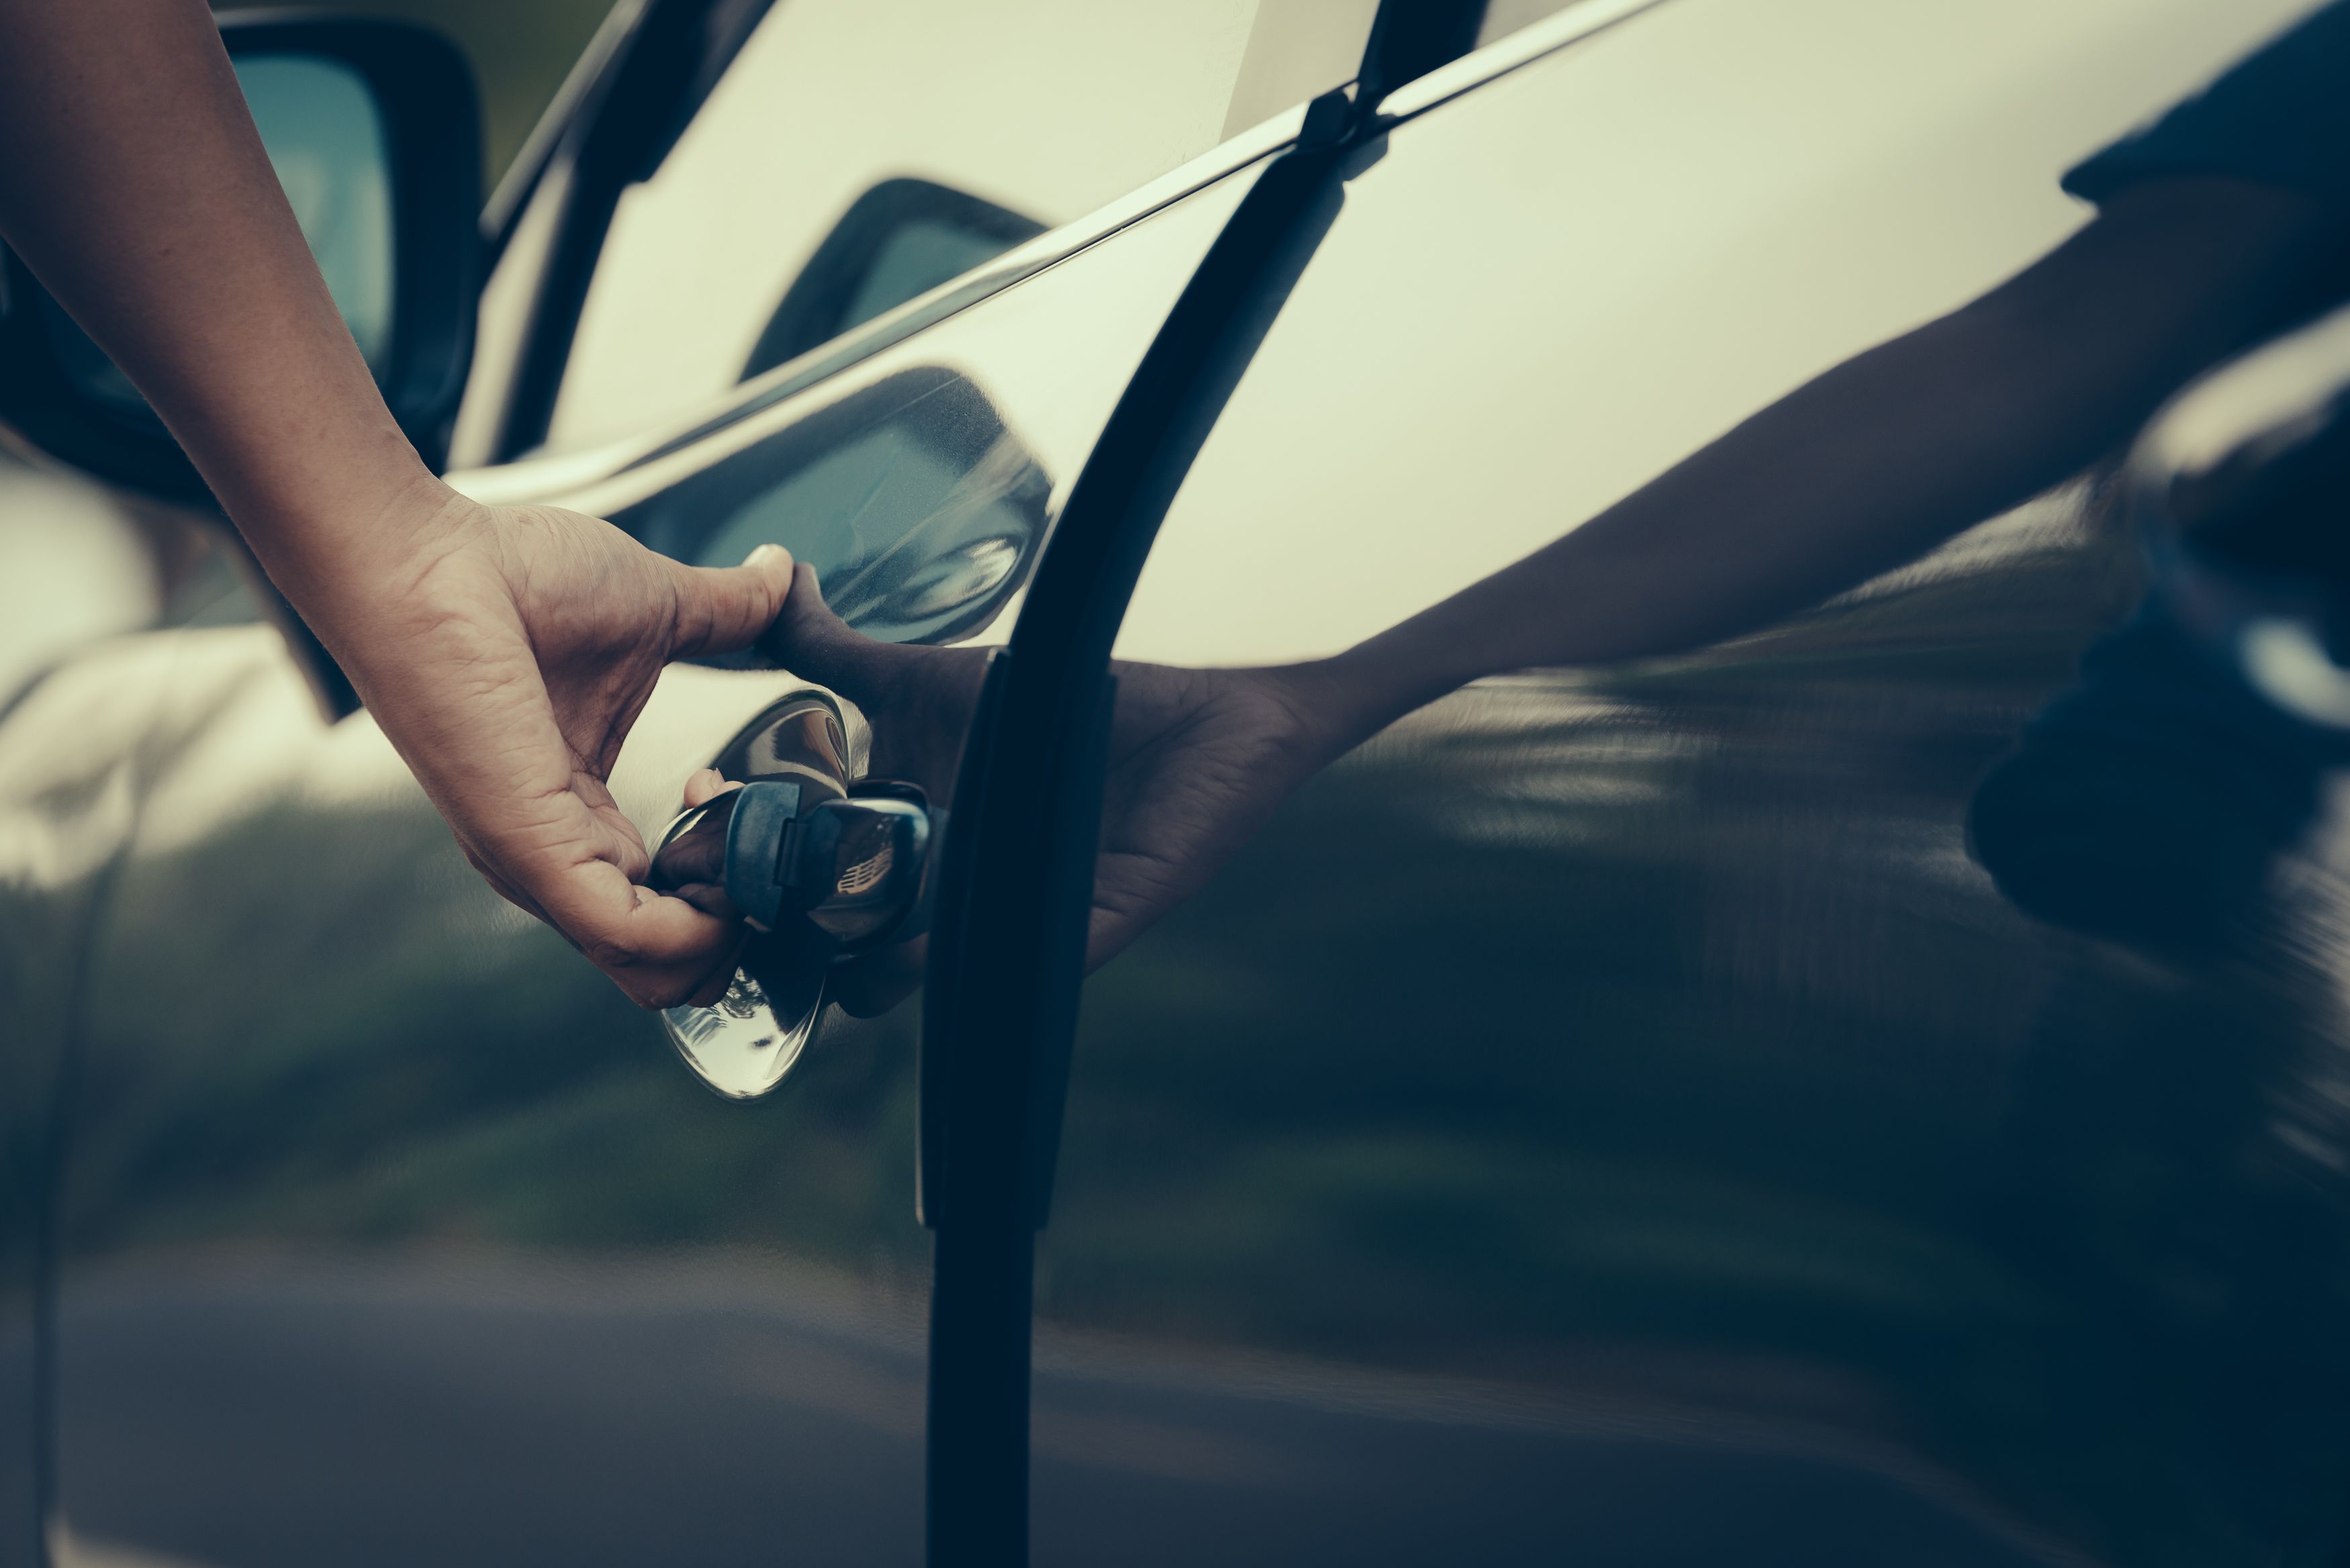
<point>577,162</point>
<point>1504,55</point>
<point>705,435</point>
<point>612,120</point>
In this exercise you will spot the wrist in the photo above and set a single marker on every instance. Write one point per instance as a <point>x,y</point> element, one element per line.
<point>1335,707</point>
<point>362,543</point>
<point>1374,683</point>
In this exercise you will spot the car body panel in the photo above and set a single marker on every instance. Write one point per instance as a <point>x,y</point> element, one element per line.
<point>1607,1116</point>
<point>1610,1115</point>
<point>376,1188</point>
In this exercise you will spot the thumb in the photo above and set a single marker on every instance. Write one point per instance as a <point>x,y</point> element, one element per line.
<point>722,608</point>
<point>811,640</point>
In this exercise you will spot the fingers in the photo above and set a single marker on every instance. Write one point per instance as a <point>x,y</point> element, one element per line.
<point>661,951</point>
<point>722,608</point>
<point>507,675</point>
<point>809,638</point>
<point>577,866</point>
<point>714,988</point>
<point>503,888</point>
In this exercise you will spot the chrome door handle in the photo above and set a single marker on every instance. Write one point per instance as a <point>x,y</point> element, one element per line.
<point>854,867</point>
<point>820,867</point>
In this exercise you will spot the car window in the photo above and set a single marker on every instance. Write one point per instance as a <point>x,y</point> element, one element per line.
<point>855,154</point>
<point>1612,1103</point>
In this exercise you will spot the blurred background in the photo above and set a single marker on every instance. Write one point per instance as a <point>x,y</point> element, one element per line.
<point>129,565</point>
<point>521,50</point>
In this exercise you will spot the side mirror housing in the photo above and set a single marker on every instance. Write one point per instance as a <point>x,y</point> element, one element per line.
<point>374,127</point>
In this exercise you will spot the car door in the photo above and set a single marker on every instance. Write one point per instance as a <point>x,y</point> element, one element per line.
<point>1608,1116</point>
<point>387,1231</point>
<point>75,571</point>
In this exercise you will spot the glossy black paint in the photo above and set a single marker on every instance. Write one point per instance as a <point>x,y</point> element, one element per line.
<point>1001,998</point>
<point>1607,1117</point>
<point>1643,1051</point>
<point>881,492</point>
<point>303,1086</point>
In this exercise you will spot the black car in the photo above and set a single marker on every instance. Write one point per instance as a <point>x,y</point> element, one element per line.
<point>1613,1117</point>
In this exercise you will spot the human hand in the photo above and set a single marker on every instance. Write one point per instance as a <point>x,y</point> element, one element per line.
<point>1199,760</point>
<point>505,652</point>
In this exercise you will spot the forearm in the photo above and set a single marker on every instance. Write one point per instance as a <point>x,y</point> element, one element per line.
<point>1872,463</point>
<point>1841,481</point>
<point>137,188</point>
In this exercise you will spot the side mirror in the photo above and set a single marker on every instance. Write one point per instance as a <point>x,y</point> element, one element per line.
<point>374,127</point>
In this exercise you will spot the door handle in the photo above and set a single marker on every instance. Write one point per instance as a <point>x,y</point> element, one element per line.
<point>820,867</point>
<point>772,851</point>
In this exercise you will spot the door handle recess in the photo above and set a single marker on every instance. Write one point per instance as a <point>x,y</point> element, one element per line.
<point>819,867</point>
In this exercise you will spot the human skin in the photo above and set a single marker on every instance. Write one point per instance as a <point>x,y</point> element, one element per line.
<point>1870,464</point>
<point>504,651</point>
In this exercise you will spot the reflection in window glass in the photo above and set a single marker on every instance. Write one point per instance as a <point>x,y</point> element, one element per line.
<point>1023,116</point>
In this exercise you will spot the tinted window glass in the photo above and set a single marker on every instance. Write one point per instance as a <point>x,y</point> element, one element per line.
<point>856,154</point>
<point>1609,1107</point>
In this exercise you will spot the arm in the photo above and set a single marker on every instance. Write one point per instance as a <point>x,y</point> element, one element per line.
<point>1869,466</point>
<point>504,651</point>
<point>1882,457</point>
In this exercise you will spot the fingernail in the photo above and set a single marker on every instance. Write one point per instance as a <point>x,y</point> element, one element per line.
<point>768,555</point>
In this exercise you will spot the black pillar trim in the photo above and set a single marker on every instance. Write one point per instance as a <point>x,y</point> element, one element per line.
<point>1001,996</point>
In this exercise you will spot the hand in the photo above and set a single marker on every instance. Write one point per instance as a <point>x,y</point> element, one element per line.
<point>505,652</point>
<point>1199,760</point>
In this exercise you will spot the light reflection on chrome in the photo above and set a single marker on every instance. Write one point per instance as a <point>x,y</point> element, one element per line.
<point>744,1044</point>
<point>741,1047</point>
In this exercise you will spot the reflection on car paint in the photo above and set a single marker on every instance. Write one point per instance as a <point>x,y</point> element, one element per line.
<point>916,506</point>
<point>1642,1044</point>
<point>744,1044</point>
<point>738,1043</point>
<point>381,1154</point>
